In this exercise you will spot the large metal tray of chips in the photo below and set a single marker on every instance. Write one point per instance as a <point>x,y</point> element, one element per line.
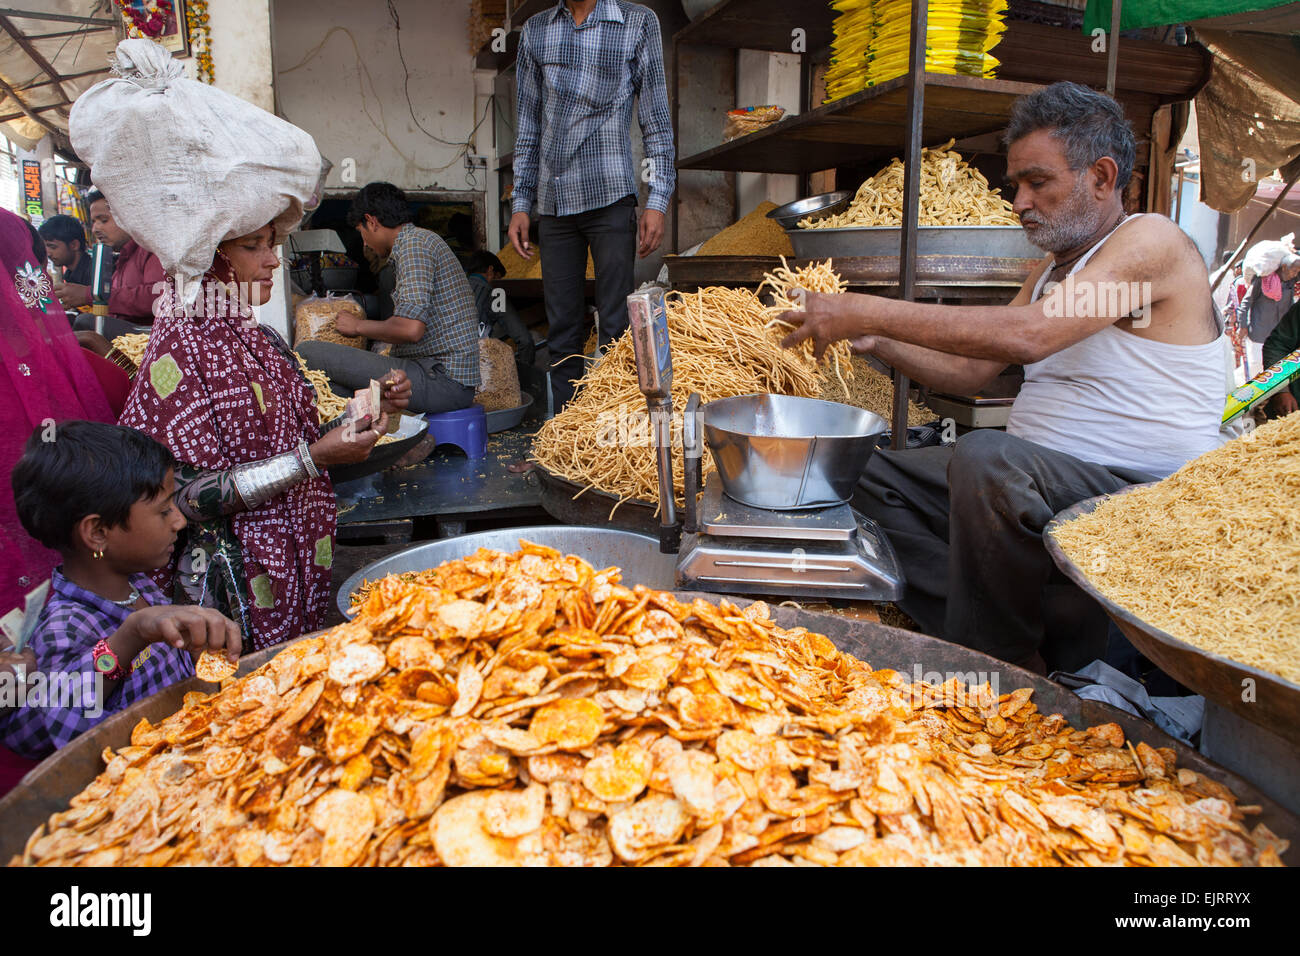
<point>637,554</point>
<point>48,788</point>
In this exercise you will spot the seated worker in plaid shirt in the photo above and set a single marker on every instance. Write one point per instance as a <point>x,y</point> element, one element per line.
<point>101,495</point>
<point>434,325</point>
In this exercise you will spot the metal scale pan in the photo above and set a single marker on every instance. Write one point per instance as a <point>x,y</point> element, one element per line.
<point>775,519</point>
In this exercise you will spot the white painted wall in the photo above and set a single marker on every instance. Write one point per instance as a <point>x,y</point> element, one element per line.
<point>766,79</point>
<point>338,76</point>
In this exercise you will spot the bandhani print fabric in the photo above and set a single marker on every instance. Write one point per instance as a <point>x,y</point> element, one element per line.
<point>219,391</point>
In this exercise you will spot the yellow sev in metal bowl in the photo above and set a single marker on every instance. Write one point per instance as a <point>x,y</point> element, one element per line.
<point>1210,555</point>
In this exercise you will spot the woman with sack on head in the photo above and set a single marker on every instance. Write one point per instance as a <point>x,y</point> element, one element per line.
<point>225,394</point>
<point>222,392</point>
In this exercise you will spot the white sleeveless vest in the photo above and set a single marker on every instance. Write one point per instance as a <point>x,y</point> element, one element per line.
<point>1121,400</point>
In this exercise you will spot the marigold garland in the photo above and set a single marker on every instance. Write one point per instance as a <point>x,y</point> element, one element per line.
<point>201,40</point>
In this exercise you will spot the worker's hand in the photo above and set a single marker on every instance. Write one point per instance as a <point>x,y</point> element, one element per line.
<point>1283,403</point>
<point>349,443</point>
<point>397,391</point>
<point>650,232</point>
<point>518,233</point>
<point>72,296</point>
<point>186,627</point>
<point>824,320</point>
<point>864,344</point>
<point>94,342</point>
<point>348,321</point>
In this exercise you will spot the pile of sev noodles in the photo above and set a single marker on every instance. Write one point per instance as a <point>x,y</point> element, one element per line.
<point>952,194</point>
<point>725,342</point>
<point>1210,555</point>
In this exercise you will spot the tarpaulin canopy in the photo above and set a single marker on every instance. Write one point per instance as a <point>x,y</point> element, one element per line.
<point>1248,113</point>
<point>51,51</point>
<point>1136,14</point>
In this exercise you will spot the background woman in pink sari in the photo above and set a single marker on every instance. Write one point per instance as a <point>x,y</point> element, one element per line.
<point>45,378</point>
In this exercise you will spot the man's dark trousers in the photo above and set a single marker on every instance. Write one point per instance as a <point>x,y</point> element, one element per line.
<point>966,522</point>
<point>610,233</point>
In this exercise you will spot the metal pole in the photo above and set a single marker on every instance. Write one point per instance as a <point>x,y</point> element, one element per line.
<point>1112,51</point>
<point>911,199</point>
<point>677,140</point>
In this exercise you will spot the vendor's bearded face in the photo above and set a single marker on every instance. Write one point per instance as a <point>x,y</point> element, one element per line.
<point>1059,207</point>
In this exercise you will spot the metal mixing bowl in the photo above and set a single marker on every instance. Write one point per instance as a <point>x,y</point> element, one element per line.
<point>824,205</point>
<point>779,452</point>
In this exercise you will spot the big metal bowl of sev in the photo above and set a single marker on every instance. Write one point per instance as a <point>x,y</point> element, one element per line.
<point>1198,571</point>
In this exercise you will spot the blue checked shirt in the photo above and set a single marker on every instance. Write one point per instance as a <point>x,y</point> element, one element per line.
<point>72,622</point>
<point>432,288</point>
<point>576,84</point>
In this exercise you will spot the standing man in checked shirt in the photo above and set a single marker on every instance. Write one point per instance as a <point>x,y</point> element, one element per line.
<point>580,65</point>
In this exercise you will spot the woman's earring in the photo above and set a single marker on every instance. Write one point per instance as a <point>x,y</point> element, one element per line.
<point>97,555</point>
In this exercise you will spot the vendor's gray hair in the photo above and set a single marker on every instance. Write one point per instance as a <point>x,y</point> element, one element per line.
<point>1089,124</point>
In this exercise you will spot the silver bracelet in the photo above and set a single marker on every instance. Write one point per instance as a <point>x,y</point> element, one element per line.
<point>259,481</point>
<point>304,455</point>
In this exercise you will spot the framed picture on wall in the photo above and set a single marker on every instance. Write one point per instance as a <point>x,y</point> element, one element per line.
<point>163,21</point>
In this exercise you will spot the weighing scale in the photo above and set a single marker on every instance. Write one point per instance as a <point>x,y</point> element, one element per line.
<point>725,545</point>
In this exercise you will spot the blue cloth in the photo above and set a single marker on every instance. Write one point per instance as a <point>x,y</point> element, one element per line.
<point>576,85</point>
<point>72,622</point>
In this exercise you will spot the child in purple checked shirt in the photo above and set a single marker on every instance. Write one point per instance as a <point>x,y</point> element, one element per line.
<point>101,495</point>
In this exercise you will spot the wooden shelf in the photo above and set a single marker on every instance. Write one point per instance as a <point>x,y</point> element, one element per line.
<point>520,12</point>
<point>760,25</point>
<point>867,126</point>
<point>487,59</point>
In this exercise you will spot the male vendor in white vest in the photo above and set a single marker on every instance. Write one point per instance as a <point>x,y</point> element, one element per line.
<point>1115,392</point>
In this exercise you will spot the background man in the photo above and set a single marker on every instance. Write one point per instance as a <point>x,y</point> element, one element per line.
<point>65,244</point>
<point>137,275</point>
<point>1110,398</point>
<point>1259,313</point>
<point>579,68</point>
<point>434,325</point>
<point>1281,342</point>
<point>483,268</point>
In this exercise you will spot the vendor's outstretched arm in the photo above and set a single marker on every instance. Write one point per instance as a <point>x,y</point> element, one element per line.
<point>396,329</point>
<point>937,370</point>
<point>943,371</point>
<point>1150,260</point>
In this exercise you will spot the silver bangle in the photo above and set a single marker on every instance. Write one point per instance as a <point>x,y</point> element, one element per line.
<point>304,455</point>
<point>259,481</point>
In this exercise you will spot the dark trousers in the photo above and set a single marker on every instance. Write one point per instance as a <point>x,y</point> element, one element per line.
<point>610,233</point>
<point>966,522</point>
<point>432,390</point>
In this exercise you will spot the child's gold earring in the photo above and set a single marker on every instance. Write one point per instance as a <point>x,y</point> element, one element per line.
<point>97,554</point>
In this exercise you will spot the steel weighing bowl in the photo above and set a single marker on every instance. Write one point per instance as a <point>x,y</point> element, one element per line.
<point>824,205</point>
<point>637,554</point>
<point>785,453</point>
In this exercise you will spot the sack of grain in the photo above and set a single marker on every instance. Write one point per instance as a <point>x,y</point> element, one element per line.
<point>185,165</point>
<point>315,320</point>
<point>500,388</point>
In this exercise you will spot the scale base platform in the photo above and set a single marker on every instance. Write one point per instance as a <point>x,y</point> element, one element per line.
<point>859,566</point>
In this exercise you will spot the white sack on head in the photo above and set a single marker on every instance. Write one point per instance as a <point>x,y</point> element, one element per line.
<point>185,165</point>
<point>1264,258</point>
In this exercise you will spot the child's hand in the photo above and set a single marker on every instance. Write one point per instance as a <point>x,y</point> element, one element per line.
<point>186,627</point>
